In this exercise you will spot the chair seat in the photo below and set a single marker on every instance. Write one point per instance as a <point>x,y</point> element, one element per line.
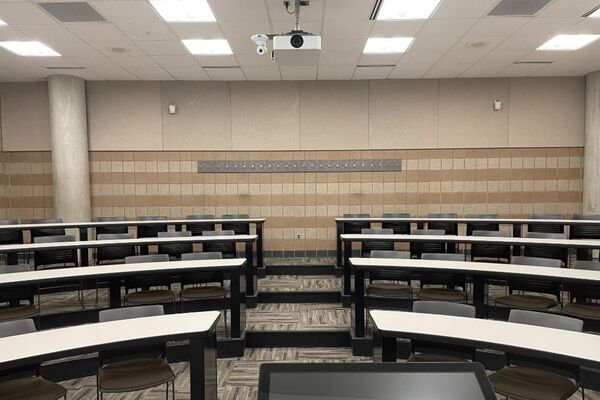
<point>583,310</point>
<point>441,294</point>
<point>150,297</point>
<point>31,388</point>
<point>135,374</point>
<point>531,383</point>
<point>203,292</point>
<point>425,357</point>
<point>388,289</point>
<point>527,301</point>
<point>18,312</point>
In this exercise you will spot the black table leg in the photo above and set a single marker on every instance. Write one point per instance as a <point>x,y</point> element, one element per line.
<point>178,227</point>
<point>83,236</point>
<point>114,293</point>
<point>235,302</point>
<point>339,229</point>
<point>479,296</point>
<point>12,258</point>
<point>516,233</point>
<point>260,262</point>
<point>347,292</point>
<point>203,366</point>
<point>359,303</point>
<point>144,249</point>
<point>251,299</point>
<point>388,349</point>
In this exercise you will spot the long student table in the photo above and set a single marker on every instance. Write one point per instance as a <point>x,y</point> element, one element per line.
<point>114,274</point>
<point>178,223</point>
<point>480,271</point>
<point>198,327</point>
<point>516,223</point>
<point>507,241</point>
<point>570,347</point>
<point>88,244</point>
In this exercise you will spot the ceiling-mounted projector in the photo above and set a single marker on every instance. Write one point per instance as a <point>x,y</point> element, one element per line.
<point>295,48</point>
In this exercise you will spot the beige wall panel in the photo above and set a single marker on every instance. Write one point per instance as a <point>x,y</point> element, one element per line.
<point>265,115</point>
<point>334,115</point>
<point>124,115</point>
<point>467,118</point>
<point>203,119</point>
<point>403,114</point>
<point>547,112</point>
<point>25,116</point>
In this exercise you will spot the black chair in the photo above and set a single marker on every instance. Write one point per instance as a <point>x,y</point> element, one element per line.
<point>11,237</point>
<point>386,283</point>
<point>198,228</point>
<point>487,251</point>
<point>369,246</point>
<point>150,230</point>
<point>423,351</point>
<point>352,228</point>
<point>584,297</point>
<point>451,228</point>
<point>445,284</point>
<point>584,232</point>
<point>540,301</point>
<point>55,258</point>
<point>240,228</point>
<point>39,232</point>
<point>482,226</point>
<point>418,248</point>
<point>399,228</point>
<point>148,289</point>
<point>546,228</point>
<point>227,249</point>
<point>554,252</point>
<point>175,250</point>
<point>137,368</point>
<point>25,383</point>
<point>113,253</point>
<point>14,296</point>
<point>195,285</point>
<point>102,230</point>
<point>528,378</point>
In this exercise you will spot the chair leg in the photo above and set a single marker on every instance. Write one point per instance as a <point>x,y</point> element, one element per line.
<point>225,315</point>
<point>167,393</point>
<point>173,389</point>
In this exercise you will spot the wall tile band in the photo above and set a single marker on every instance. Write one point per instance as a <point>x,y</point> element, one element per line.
<point>258,166</point>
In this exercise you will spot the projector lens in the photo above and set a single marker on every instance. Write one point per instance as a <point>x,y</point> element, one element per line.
<point>297,41</point>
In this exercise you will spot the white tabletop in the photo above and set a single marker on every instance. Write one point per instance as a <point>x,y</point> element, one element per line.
<point>125,242</point>
<point>476,220</point>
<point>496,334</point>
<point>480,268</point>
<point>93,224</point>
<point>101,271</point>
<point>571,243</point>
<point>72,339</point>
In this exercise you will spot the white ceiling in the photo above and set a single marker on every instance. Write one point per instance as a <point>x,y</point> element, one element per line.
<point>154,51</point>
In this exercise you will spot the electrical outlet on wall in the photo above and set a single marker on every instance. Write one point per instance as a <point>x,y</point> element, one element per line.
<point>298,235</point>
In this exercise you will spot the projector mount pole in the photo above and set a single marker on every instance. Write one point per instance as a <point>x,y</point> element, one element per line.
<point>297,12</point>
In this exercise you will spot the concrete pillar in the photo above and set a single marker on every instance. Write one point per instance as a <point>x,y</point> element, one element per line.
<point>69,140</point>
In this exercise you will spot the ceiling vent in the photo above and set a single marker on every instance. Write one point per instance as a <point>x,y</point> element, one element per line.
<point>72,12</point>
<point>518,8</point>
<point>63,68</point>
<point>533,62</point>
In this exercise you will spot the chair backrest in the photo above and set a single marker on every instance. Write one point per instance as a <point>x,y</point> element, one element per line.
<point>116,314</point>
<point>197,228</point>
<point>175,249</point>
<point>212,255</point>
<point>151,230</point>
<point>16,293</point>
<point>37,232</point>
<point>376,231</point>
<point>585,231</point>
<point>549,228</point>
<point>451,228</point>
<point>18,327</point>
<point>560,253</point>
<point>114,252</point>
<point>446,279</point>
<point>240,228</point>
<point>218,233</point>
<point>443,256</point>
<point>54,256</point>
<point>444,308</point>
<point>491,233</point>
<point>114,236</point>
<point>482,226</point>
<point>532,285</point>
<point>369,246</point>
<point>390,254</point>
<point>427,232</point>
<point>225,248</point>
<point>175,234</point>
<point>482,250</point>
<point>9,269</point>
<point>10,236</point>
<point>582,291</point>
<point>399,228</point>
<point>417,248</point>
<point>355,227</point>
<point>146,258</point>
<point>54,239</point>
<point>588,265</point>
<point>113,228</point>
<point>536,261</point>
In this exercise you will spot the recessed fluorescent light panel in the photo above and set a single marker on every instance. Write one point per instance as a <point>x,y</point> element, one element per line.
<point>184,10</point>
<point>29,49</point>
<point>387,45</point>
<point>594,13</point>
<point>2,23</point>
<point>568,42</point>
<point>406,9</point>
<point>208,47</point>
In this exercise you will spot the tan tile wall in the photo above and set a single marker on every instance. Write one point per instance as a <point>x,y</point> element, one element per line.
<point>510,182</point>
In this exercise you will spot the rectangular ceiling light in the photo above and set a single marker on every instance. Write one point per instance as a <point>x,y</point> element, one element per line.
<point>406,9</point>
<point>568,42</point>
<point>2,23</point>
<point>208,47</point>
<point>184,10</point>
<point>595,13</point>
<point>29,49</point>
<point>387,45</point>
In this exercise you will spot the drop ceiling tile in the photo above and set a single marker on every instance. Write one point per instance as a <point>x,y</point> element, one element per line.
<point>545,28</point>
<point>312,12</point>
<point>129,62</point>
<point>338,58</point>
<point>346,45</point>
<point>127,11</point>
<point>225,74</point>
<point>53,61</point>
<point>7,33</point>
<point>544,56</point>
<point>567,8</point>
<point>56,37</point>
<point>151,73</point>
<point>498,26</point>
<point>345,10</point>
<point>463,8</point>
<point>287,26</point>
<point>414,73</point>
<point>238,35</point>
<point>162,47</point>
<point>146,31</point>
<point>104,37</point>
<point>8,75</point>
<point>396,28</point>
<point>371,72</point>
<point>379,59</point>
<point>520,70</point>
<point>333,29</point>
<point>187,73</point>
<point>196,30</point>
<point>262,72</point>
<point>24,13</point>
<point>336,72</point>
<point>433,44</point>
<point>298,73</point>
<point>254,59</point>
<point>447,27</point>
<point>21,64</point>
<point>239,11</point>
<point>446,70</point>
<point>585,26</point>
<point>186,61</point>
<point>217,61</point>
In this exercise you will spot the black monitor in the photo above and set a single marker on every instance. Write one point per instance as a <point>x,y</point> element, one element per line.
<point>387,381</point>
